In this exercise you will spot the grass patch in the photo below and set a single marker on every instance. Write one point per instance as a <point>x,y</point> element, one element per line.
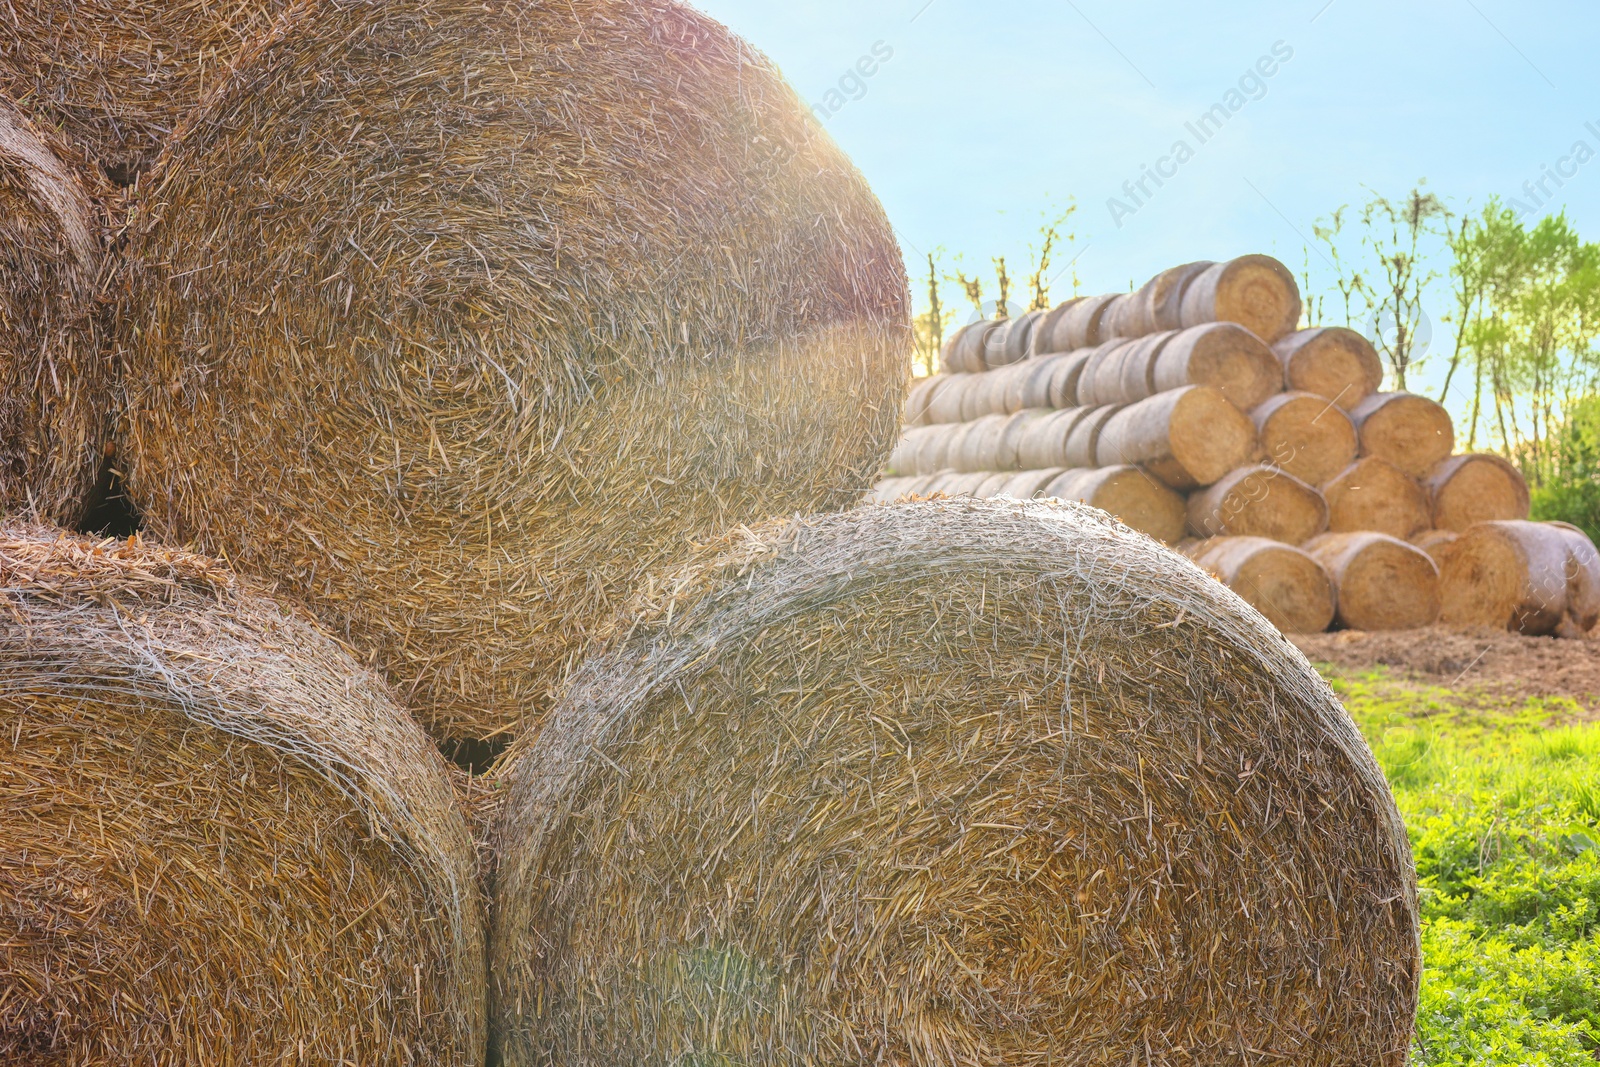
<point>1503,809</point>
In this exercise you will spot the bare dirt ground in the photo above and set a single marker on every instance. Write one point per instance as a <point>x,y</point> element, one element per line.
<point>1492,664</point>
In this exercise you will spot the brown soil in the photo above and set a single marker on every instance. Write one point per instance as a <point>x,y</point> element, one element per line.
<point>1489,663</point>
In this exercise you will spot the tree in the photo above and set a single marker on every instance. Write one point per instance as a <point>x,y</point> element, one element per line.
<point>1395,233</point>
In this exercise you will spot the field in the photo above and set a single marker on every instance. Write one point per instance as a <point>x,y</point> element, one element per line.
<point>1497,772</point>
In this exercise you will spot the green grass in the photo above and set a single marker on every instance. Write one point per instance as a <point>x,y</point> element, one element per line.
<point>1503,808</point>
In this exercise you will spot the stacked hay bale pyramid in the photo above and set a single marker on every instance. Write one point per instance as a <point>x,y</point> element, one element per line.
<point>1195,411</point>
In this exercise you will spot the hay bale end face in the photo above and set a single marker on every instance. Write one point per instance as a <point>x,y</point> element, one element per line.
<point>1288,586</point>
<point>535,302</point>
<point>1331,362</point>
<point>1372,495</point>
<point>1187,437</point>
<point>1306,435</point>
<point>1466,490</point>
<point>843,800</point>
<point>1381,583</point>
<point>1258,501</point>
<point>55,385</point>
<point>1411,432</point>
<point>221,841</point>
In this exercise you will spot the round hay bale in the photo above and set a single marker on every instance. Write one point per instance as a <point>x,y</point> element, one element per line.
<point>1373,495</point>
<point>1257,292</point>
<point>1127,494</point>
<point>994,485</point>
<point>1436,543</point>
<point>1082,325</point>
<point>1413,433</point>
<point>1062,391</point>
<point>979,448</point>
<point>950,399</point>
<point>1223,355</point>
<point>115,77</point>
<point>224,841</point>
<point>905,459</point>
<point>1044,331</point>
<point>979,783</point>
<point>1382,583</point>
<point>518,309</point>
<point>1467,490</point>
<point>1008,452</point>
<point>1286,584</point>
<point>1017,341</point>
<point>1030,484</point>
<point>933,449</point>
<point>889,490</point>
<point>1306,435</point>
<point>920,399</point>
<point>1186,437</point>
<point>1163,294</point>
<point>55,383</point>
<point>968,348</point>
<point>1259,501</point>
<point>1042,441</point>
<point>1082,445</point>
<point>1125,317</point>
<point>1331,362</point>
<point>1528,577</point>
<point>1138,366</point>
<point>1036,377</point>
<point>1100,381</point>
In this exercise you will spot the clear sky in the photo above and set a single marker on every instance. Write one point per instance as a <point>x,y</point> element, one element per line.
<point>991,111</point>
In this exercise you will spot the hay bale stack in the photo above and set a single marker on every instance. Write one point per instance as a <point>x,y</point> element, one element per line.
<point>1186,437</point>
<point>1258,501</point>
<point>116,77</point>
<point>1047,791</point>
<point>1381,582</point>
<point>1305,435</point>
<point>1077,327</point>
<point>55,383</point>
<point>1222,355</point>
<point>1528,577</point>
<point>1374,495</point>
<point>1409,431</point>
<point>1466,490</point>
<point>1128,494</point>
<point>1287,585</point>
<point>1331,362</point>
<point>223,840</point>
<point>1041,437</point>
<point>532,302</point>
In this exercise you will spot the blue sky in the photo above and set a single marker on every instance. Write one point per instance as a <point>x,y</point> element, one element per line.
<point>991,111</point>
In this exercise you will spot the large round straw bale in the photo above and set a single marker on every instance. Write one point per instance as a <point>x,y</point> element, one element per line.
<point>1382,583</point>
<point>1062,391</point>
<point>1028,485</point>
<point>1186,437</point>
<point>1259,501</point>
<point>1081,326</point>
<point>1163,294</point>
<point>1036,376</point>
<point>951,783</point>
<point>994,486</point>
<point>1082,444</point>
<point>1529,577</point>
<point>1436,543</point>
<point>116,76</point>
<point>55,383</point>
<point>1286,584</point>
<point>1410,431</point>
<point>1042,442</point>
<point>1128,494</point>
<point>1044,332</point>
<point>455,320</point>
<point>1008,453</point>
<point>1466,490</point>
<point>224,841</point>
<point>1374,495</point>
<point>950,399</point>
<point>933,449</point>
<point>1331,362</point>
<point>1017,341</point>
<point>1138,366</point>
<point>1306,435</point>
<point>965,352</point>
<point>1125,317</point>
<point>913,443</point>
<point>1257,292</point>
<point>1223,355</point>
<point>921,397</point>
<point>980,445</point>
<point>1101,379</point>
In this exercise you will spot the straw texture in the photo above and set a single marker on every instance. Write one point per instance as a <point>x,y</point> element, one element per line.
<point>979,782</point>
<point>221,841</point>
<point>456,317</point>
<point>55,384</point>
